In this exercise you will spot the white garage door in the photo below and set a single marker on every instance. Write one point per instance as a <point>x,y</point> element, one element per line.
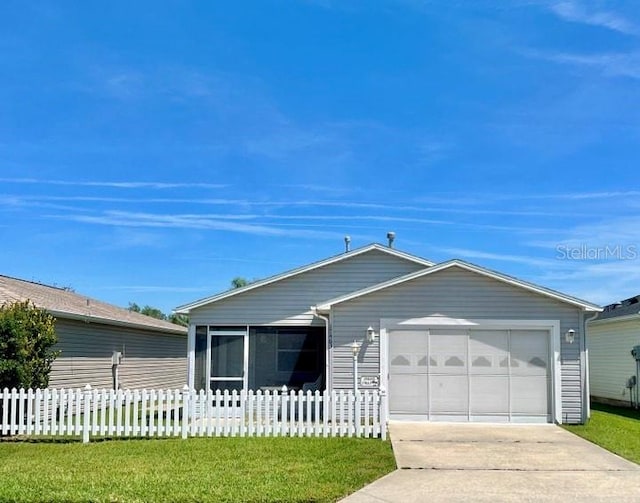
<point>469,375</point>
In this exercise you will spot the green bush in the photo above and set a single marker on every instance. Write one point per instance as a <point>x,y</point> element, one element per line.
<point>27,335</point>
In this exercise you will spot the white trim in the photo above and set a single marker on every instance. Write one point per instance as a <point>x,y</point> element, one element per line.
<point>241,331</point>
<point>184,309</point>
<point>553,326</point>
<point>626,317</point>
<point>245,362</point>
<point>191,356</point>
<point>326,306</point>
<point>169,330</point>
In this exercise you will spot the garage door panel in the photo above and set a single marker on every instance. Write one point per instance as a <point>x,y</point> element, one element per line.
<point>529,395</point>
<point>449,394</point>
<point>489,395</point>
<point>489,352</point>
<point>408,352</point>
<point>448,352</point>
<point>529,352</point>
<point>408,394</point>
<point>477,374</point>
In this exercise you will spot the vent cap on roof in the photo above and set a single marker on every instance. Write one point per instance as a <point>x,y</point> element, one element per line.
<point>391,237</point>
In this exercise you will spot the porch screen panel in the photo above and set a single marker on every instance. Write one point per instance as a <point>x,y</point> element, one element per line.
<point>227,356</point>
<point>200,367</point>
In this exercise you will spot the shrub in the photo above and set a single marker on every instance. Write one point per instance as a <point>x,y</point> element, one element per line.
<point>27,335</point>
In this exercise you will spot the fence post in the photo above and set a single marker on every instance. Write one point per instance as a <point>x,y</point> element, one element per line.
<point>87,411</point>
<point>383,413</point>
<point>185,410</point>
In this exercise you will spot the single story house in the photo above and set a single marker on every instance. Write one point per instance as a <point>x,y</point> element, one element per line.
<point>104,345</point>
<point>447,341</point>
<point>613,370</point>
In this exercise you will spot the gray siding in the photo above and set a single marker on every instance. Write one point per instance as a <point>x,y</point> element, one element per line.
<point>610,360</point>
<point>151,359</point>
<point>460,294</point>
<point>287,302</point>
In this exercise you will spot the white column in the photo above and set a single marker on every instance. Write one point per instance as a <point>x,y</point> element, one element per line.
<point>191,356</point>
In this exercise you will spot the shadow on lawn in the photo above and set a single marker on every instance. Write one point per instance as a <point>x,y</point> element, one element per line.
<point>618,411</point>
<point>23,439</point>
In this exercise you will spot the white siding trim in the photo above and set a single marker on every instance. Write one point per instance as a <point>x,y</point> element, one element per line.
<point>191,356</point>
<point>596,321</point>
<point>553,326</point>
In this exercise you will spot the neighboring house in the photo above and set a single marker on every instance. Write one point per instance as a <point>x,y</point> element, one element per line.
<point>611,337</point>
<point>104,345</point>
<point>449,341</point>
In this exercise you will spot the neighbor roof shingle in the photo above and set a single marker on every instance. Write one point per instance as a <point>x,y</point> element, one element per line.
<point>67,304</point>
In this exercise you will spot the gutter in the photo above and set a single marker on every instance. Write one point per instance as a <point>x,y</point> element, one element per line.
<point>328,352</point>
<point>108,321</point>
<point>626,317</point>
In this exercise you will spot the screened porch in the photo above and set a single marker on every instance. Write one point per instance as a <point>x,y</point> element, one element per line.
<point>259,358</point>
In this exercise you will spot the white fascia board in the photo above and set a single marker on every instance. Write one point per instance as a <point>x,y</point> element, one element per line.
<point>179,330</point>
<point>628,317</point>
<point>184,309</point>
<point>587,306</point>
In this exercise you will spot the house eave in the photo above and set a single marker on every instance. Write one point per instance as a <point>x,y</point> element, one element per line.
<point>627,317</point>
<point>118,323</point>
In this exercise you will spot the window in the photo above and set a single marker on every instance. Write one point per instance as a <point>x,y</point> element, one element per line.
<point>297,352</point>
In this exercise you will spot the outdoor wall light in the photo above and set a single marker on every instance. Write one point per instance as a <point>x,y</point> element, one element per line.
<point>371,334</point>
<point>570,336</point>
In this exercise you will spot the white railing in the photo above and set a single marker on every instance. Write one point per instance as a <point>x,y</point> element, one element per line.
<point>183,413</point>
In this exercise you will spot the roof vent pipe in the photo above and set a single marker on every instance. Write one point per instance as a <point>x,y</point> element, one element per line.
<point>347,244</point>
<point>391,236</point>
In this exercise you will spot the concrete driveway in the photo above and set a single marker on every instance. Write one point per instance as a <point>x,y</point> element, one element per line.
<point>440,462</point>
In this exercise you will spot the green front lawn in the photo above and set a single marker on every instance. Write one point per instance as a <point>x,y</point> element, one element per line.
<point>617,429</point>
<point>197,469</point>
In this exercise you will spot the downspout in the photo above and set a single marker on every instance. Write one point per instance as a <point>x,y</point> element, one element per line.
<point>327,357</point>
<point>587,391</point>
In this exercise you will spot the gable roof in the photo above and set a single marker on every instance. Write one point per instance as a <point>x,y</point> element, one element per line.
<point>184,309</point>
<point>70,305</point>
<point>587,306</point>
<point>626,309</point>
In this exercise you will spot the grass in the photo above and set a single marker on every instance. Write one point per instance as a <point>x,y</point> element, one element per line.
<point>617,429</point>
<point>192,470</point>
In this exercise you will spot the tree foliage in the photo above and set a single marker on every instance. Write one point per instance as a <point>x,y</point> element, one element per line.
<point>27,337</point>
<point>154,312</point>
<point>239,282</point>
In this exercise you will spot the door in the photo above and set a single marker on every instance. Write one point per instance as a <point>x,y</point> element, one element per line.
<point>470,375</point>
<point>228,359</point>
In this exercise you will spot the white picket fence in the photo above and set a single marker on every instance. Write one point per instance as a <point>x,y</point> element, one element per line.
<point>187,413</point>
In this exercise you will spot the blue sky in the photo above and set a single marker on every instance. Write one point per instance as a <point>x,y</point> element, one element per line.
<point>152,151</point>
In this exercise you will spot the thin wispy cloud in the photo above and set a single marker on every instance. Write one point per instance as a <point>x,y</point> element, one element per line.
<point>576,12</point>
<point>608,64</point>
<point>190,221</point>
<point>117,185</point>
<point>466,253</point>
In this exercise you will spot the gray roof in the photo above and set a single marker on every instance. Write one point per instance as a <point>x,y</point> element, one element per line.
<point>626,307</point>
<point>66,304</point>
